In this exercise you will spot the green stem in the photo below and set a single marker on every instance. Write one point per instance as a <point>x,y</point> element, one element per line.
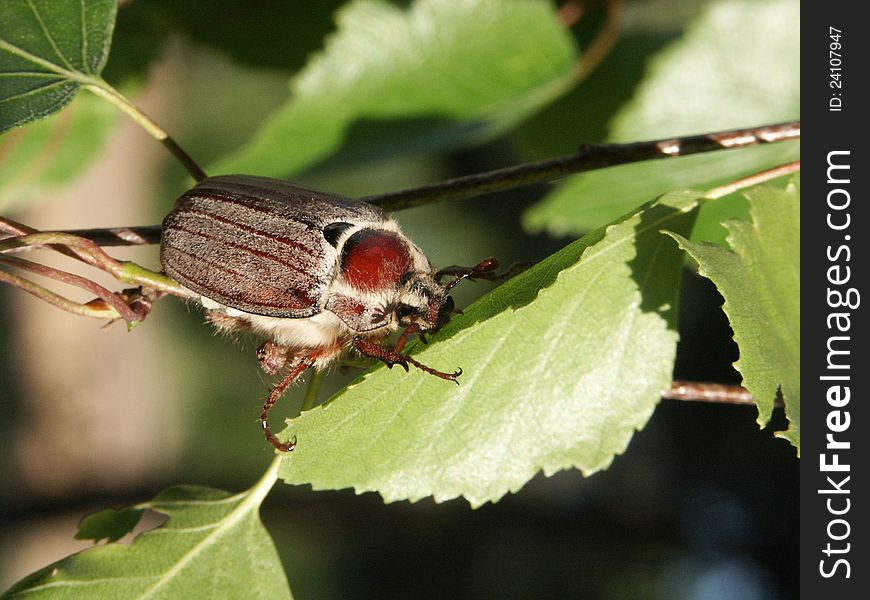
<point>107,92</point>
<point>57,300</point>
<point>111,299</point>
<point>101,88</point>
<point>310,399</point>
<point>130,272</point>
<point>260,490</point>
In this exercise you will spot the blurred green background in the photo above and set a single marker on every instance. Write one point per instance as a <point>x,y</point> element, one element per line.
<point>702,505</point>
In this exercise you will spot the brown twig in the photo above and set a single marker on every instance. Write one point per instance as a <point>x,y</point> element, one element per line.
<point>143,235</point>
<point>83,249</point>
<point>131,305</point>
<point>589,157</point>
<point>184,158</point>
<point>603,43</point>
<point>754,179</point>
<point>56,299</point>
<point>120,307</point>
<point>12,228</point>
<point>695,391</point>
<point>22,237</point>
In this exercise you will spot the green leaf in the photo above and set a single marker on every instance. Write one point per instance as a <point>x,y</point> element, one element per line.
<point>760,281</point>
<point>585,201</point>
<point>439,73</point>
<point>212,546</point>
<point>561,365</point>
<point>737,66</point>
<point>48,48</point>
<point>109,524</point>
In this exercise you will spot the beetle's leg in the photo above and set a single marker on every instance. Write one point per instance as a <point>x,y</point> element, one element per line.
<point>391,357</point>
<point>272,357</point>
<point>276,392</point>
<point>485,269</point>
<point>405,335</point>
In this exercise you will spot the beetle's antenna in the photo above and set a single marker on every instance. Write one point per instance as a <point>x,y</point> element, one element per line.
<point>485,269</point>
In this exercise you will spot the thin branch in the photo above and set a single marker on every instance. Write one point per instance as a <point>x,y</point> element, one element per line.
<point>119,306</point>
<point>107,92</point>
<point>754,179</point>
<point>13,228</point>
<point>603,43</point>
<point>695,391</point>
<point>56,299</point>
<point>91,253</point>
<point>24,237</point>
<point>310,399</point>
<point>588,158</point>
<point>131,305</point>
<point>83,249</point>
<point>142,235</point>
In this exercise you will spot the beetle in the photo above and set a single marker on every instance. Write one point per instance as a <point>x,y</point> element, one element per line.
<point>314,273</point>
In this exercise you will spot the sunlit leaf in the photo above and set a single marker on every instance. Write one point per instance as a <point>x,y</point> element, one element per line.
<point>738,65</point>
<point>759,277</point>
<point>212,546</point>
<point>435,74</point>
<point>561,366</point>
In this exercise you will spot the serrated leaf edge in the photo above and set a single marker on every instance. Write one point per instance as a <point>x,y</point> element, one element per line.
<point>684,206</point>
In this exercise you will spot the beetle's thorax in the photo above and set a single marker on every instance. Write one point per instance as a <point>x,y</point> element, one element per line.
<point>380,278</point>
<point>378,271</point>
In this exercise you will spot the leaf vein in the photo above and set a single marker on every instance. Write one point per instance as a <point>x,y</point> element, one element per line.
<point>84,30</point>
<point>46,64</point>
<point>36,90</point>
<point>49,37</point>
